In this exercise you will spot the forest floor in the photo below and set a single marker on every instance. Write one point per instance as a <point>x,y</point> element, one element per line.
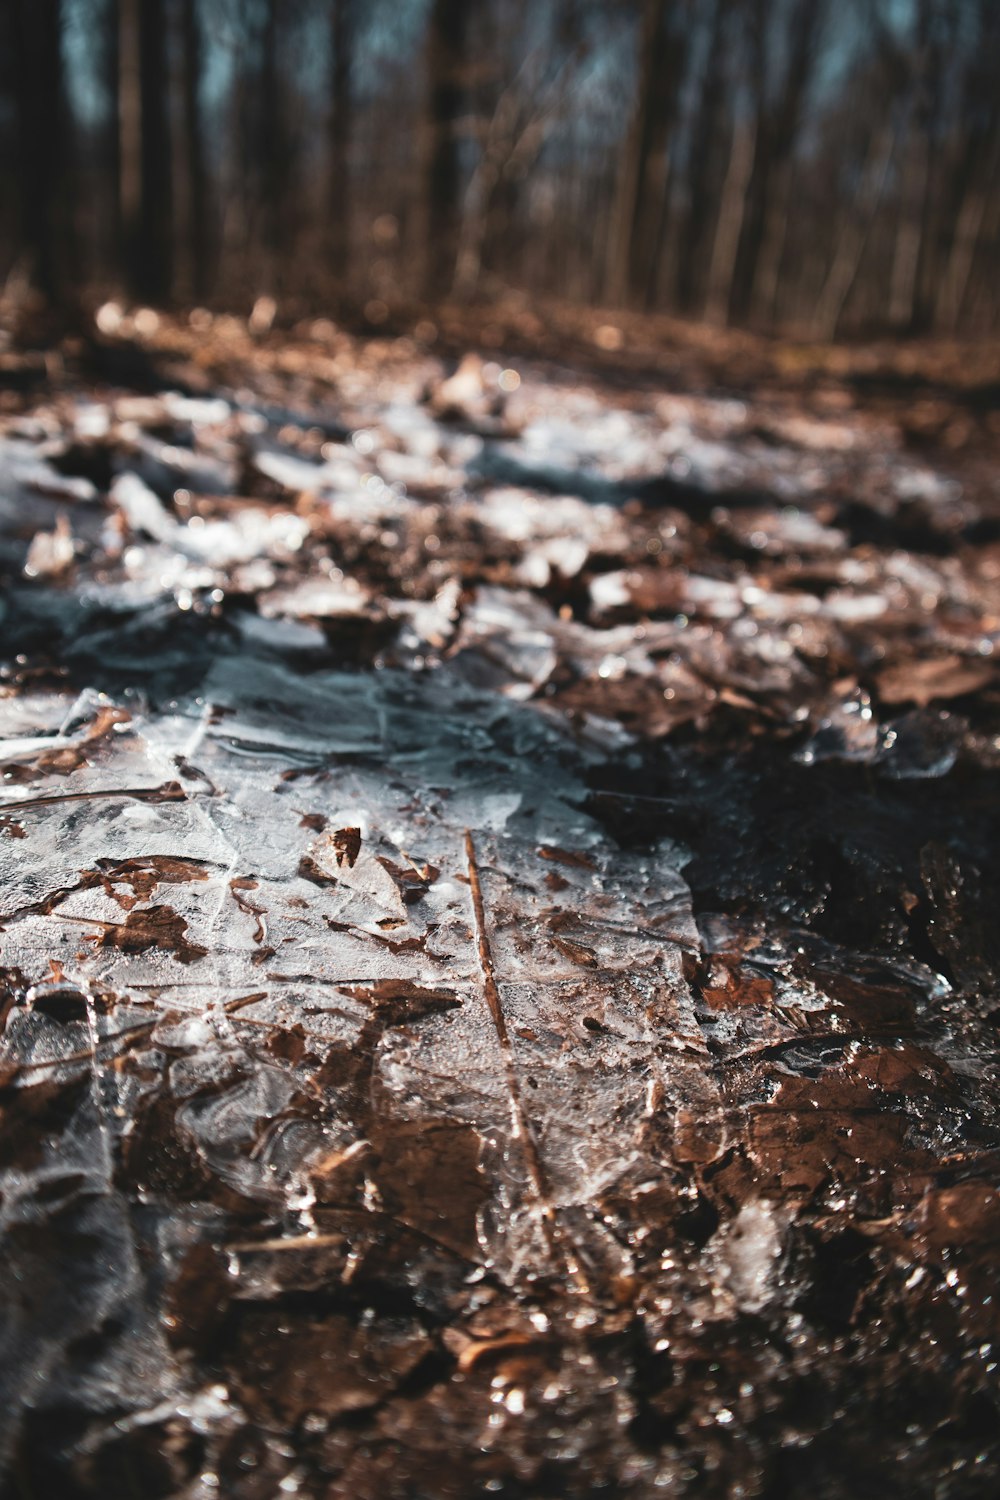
<point>498,923</point>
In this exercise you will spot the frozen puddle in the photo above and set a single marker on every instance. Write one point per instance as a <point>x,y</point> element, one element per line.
<point>498,986</point>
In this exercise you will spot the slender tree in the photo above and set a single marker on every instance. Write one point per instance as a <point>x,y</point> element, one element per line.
<point>43,162</point>
<point>778,115</point>
<point>447,71</point>
<point>145,164</point>
<point>642,187</point>
<point>196,172</point>
<point>706,159</point>
<point>271,146</point>
<point>339,195</point>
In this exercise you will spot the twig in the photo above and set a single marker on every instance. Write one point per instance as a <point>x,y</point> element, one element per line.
<point>554,1232</point>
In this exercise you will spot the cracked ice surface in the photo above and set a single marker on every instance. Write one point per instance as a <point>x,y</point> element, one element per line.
<point>496,926</point>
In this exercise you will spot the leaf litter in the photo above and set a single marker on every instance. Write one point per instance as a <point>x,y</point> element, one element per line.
<point>499,971</point>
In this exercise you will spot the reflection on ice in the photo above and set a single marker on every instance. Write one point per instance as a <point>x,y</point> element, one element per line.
<point>497,923</point>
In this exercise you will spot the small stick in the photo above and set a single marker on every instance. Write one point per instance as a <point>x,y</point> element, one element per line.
<point>554,1232</point>
<point>170,791</point>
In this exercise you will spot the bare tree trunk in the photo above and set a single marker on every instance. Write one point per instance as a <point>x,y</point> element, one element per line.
<point>912,256</point>
<point>846,263</point>
<point>514,139</point>
<point>730,224</point>
<point>475,216</point>
<point>43,177</point>
<point>980,303</point>
<point>447,37</point>
<point>155,262</point>
<point>129,134</point>
<point>691,268</point>
<point>238,230</point>
<point>341,130</point>
<point>776,137</point>
<point>641,201</point>
<point>199,238</point>
<point>616,286</point>
<point>906,254</point>
<point>768,277</point>
<point>112,142</point>
<point>145,166</point>
<point>967,239</point>
<point>853,238</point>
<point>272,153</point>
<point>652,219</point>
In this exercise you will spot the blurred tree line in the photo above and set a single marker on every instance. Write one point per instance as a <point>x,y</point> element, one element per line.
<point>827,165</point>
